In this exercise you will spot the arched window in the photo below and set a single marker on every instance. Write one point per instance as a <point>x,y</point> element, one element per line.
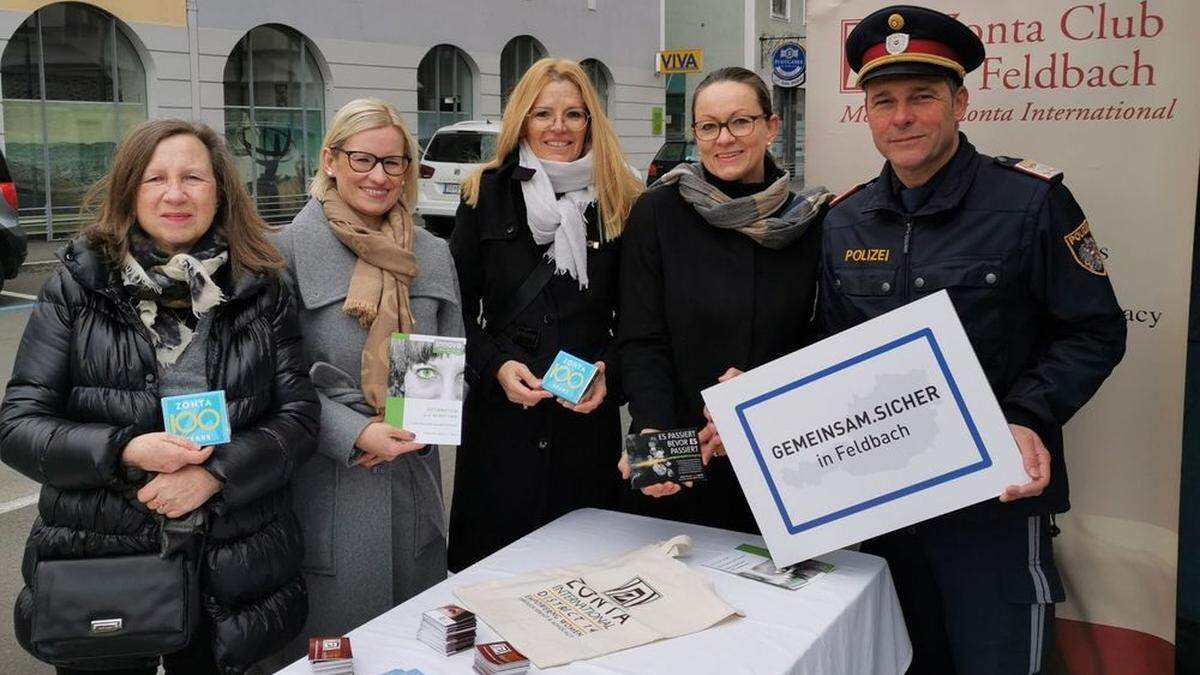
<point>601,79</point>
<point>274,117</point>
<point>72,85</point>
<point>515,59</point>
<point>445,90</point>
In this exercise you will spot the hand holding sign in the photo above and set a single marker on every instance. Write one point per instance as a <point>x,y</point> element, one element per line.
<point>1037,464</point>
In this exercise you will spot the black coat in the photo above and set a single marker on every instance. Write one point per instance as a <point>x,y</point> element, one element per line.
<point>519,469</point>
<point>696,300</point>
<point>86,383</point>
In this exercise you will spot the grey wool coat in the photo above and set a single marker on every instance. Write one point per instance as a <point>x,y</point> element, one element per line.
<point>372,537</point>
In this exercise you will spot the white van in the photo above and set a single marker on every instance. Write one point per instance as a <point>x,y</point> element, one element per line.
<point>451,155</point>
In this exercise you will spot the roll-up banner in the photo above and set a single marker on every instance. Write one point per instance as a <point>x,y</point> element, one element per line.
<point>1105,91</point>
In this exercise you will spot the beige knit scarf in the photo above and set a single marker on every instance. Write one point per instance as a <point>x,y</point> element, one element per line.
<point>378,293</point>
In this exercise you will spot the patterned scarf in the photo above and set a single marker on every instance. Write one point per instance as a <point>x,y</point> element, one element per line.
<point>378,293</point>
<point>750,215</point>
<point>173,291</point>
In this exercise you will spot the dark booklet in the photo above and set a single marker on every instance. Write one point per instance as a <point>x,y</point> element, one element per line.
<point>664,456</point>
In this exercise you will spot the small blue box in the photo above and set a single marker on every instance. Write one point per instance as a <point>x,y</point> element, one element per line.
<point>568,377</point>
<point>201,418</point>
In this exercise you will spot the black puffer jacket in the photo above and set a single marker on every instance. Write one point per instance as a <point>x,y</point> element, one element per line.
<point>86,382</point>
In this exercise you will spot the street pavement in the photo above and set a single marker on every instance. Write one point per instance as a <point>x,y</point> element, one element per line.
<point>18,494</point>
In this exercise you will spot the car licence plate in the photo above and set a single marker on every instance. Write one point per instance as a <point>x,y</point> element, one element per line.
<point>450,188</point>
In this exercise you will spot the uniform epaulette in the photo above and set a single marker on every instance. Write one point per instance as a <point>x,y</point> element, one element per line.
<point>1031,167</point>
<point>838,199</point>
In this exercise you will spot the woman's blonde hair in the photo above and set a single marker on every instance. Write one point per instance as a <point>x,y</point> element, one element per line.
<point>364,114</point>
<point>616,185</point>
<point>110,205</point>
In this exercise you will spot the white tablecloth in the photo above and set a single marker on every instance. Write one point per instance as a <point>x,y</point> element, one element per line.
<point>847,621</point>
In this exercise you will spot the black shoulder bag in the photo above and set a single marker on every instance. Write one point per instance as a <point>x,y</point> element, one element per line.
<point>91,610</point>
<point>525,294</point>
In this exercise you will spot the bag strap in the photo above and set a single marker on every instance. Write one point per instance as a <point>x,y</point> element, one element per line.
<point>525,293</point>
<point>185,536</point>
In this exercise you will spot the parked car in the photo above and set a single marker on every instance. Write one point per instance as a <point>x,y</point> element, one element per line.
<point>449,157</point>
<point>12,237</point>
<point>671,153</point>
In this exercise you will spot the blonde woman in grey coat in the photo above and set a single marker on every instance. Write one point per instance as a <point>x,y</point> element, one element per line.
<point>370,500</point>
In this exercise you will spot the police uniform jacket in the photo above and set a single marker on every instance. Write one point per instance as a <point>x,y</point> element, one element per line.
<point>1014,252</point>
<point>519,469</point>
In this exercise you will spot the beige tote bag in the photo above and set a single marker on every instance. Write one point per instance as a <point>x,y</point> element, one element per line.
<point>564,614</point>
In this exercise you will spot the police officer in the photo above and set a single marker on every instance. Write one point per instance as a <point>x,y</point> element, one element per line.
<point>1014,250</point>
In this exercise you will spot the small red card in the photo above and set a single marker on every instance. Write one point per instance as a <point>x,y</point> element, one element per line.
<point>325,649</point>
<point>500,653</point>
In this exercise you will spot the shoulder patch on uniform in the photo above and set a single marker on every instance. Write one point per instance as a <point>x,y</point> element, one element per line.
<point>838,199</point>
<point>1085,250</point>
<point>1031,167</point>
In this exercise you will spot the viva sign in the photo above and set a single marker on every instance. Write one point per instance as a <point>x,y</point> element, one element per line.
<point>680,61</point>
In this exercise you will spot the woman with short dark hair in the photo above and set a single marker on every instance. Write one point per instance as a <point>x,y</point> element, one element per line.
<point>172,289</point>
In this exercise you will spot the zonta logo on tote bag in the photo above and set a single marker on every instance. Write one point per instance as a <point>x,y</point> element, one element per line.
<point>560,615</point>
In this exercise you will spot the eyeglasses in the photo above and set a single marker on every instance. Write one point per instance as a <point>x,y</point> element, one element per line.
<point>573,119</point>
<point>742,125</point>
<point>364,162</point>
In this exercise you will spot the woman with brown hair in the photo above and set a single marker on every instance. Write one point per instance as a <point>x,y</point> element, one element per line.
<point>172,289</point>
<point>536,245</point>
<point>370,500</point>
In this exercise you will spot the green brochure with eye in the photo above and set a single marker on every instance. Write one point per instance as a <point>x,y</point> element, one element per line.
<point>425,386</point>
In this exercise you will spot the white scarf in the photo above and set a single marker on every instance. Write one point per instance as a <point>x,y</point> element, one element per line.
<point>559,220</point>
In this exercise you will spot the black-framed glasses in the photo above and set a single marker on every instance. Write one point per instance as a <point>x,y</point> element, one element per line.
<point>364,162</point>
<point>572,118</point>
<point>742,125</point>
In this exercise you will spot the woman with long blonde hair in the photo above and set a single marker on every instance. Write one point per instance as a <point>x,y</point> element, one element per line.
<point>370,500</point>
<point>536,247</point>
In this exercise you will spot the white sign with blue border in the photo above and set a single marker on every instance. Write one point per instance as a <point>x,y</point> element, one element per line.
<point>881,426</point>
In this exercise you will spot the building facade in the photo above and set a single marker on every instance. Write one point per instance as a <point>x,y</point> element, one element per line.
<point>737,33</point>
<point>271,73</point>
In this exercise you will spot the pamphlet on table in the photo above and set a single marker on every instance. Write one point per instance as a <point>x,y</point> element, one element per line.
<point>884,425</point>
<point>754,562</point>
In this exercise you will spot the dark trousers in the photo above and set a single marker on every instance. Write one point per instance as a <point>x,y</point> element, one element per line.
<point>194,659</point>
<point>978,597</point>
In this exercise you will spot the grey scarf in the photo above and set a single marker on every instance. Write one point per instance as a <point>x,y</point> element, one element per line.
<point>750,215</point>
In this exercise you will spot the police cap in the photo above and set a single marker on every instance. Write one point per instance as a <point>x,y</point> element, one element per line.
<point>910,40</point>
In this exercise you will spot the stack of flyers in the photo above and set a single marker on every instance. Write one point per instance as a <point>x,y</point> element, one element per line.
<point>448,629</point>
<point>330,656</point>
<point>499,657</point>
